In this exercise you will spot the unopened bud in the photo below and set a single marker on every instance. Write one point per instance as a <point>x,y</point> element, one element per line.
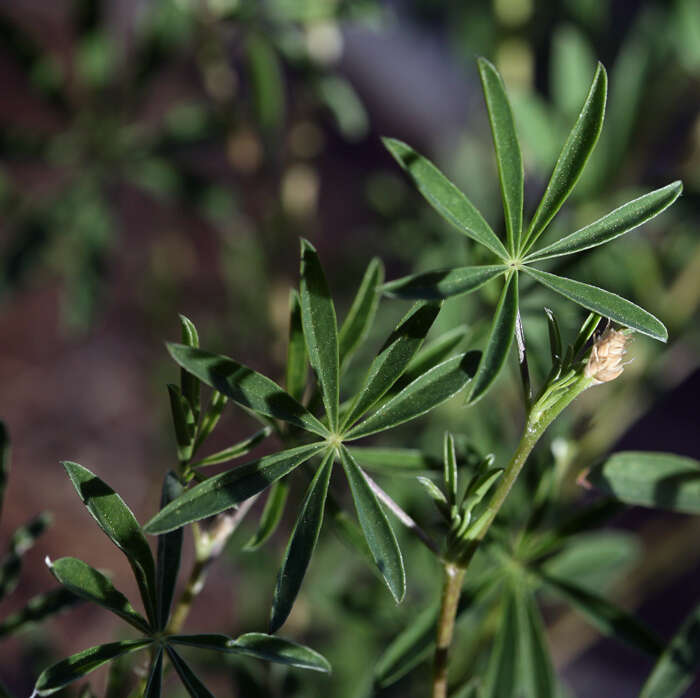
<point>605,362</point>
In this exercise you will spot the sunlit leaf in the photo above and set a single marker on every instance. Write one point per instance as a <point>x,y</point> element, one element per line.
<point>648,479</point>
<point>168,555</point>
<point>224,491</point>
<point>393,358</point>
<point>245,386</point>
<point>443,283</point>
<point>301,544</point>
<point>508,157</point>
<point>499,340</point>
<point>271,515</point>
<point>362,311</point>
<point>378,533</point>
<point>320,328</point>
<point>78,665</point>
<point>444,196</point>
<point>618,222</point>
<point>604,303</point>
<point>92,585</point>
<point>573,157</point>
<point>426,392</point>
<point>116,519</point>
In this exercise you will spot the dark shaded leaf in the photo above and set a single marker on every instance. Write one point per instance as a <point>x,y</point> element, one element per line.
<point>271,515</point>
<point>426,392</point>
<point>320,329</point>
<point>499,341</point>
<point>281,651</point>
<point>224,491</point>
<point>443,283</point>
<point>245,386</point>
<point>378,533</point>
<point>604,303</point>
<point>362,311</point>
<point>301,544</point>
<point>296,369</point>
<point>573,157</point>
<point>155,677</point>
<point>508,157</point>
<point>648,479</point>
<point>444,196</point>
<point>183,421</point>
<point>116,519</point>
<point>78,665</point>
<point>189,679</point>
<point>86,582</point>
<point>168,555</point>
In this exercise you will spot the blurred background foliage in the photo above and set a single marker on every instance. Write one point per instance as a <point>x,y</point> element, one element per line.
<point>163,156</point>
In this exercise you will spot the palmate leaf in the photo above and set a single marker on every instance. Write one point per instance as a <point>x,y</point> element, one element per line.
<point>393,358</point>
<point>444,196</point>
<point>320,329</point>
<point>499,340</point>
<point>301,544</point>
<point>420,396</point>
<point>443,283</point>
<point>508,156</point>
<point>604,303</point>
<point>79,665</point>
<point>224,491</point>
<point>378,533</point>
<point>189,679</point>
<point>618,222</point>
<point>116,519</point>
<point>244,386</point>
<point>362,311</point>
<point>648,479</point>
<point>678,665</point>
<point>296,369</point>
<point>90,584</point>
<point>168,555</point>
<point>271,515</point>
<point>573,157</point>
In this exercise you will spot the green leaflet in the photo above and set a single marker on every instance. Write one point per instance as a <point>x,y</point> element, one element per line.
<point>206,641</point>
<point>573,157</point>
<point>301,544</point>
<point>271,515</point>
<point>443,283</point>
<point>189,679</point>
<point>189,385</point>
<point>183,421</point>
<point>4,461</point>
<point>444,197</point>
<point>86,582</point>
<point>37,609</point>
<point>296,369</point>
<point>393,461</point>
<point>155,677</point>
<point>677,666</point>
<point>606,617</point>
<point>362,311</point>
<point>281,651</point>
<point>224,491</point>
<point>116,519</point>
<point>604,303</point>
<point>393,358</point>
<point>236,451</point>
<point>616,223</point>
<point>426,392</point>
<point>245,386</point>
<point>78,665</point>
<point>320,329</point>
<point>508,157</point>
<point>499,341</point>
<point>378,533</point>
<point>648,479</point>
<point>168,555</point>
<point>435,352</point>
<point>536,671</point>
<point>211,418</point>
<point>502,674</point>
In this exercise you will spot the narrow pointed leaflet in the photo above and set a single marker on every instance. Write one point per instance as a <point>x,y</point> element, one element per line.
<point>443,283</point>
<point>168,554</point>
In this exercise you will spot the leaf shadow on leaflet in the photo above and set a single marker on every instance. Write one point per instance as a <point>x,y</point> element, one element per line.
<point>668,490</point>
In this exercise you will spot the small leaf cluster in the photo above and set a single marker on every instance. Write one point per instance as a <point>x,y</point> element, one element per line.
<point>518,252</point>
<point>156,582</point>
<point>400,385</point>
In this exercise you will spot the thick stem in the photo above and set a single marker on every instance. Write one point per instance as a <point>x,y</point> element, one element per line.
<point>451,590</point>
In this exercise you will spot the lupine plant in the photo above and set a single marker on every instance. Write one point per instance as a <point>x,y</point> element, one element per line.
<point>322,425</point>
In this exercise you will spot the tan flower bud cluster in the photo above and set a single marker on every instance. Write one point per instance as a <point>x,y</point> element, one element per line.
<point>605,360</point>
